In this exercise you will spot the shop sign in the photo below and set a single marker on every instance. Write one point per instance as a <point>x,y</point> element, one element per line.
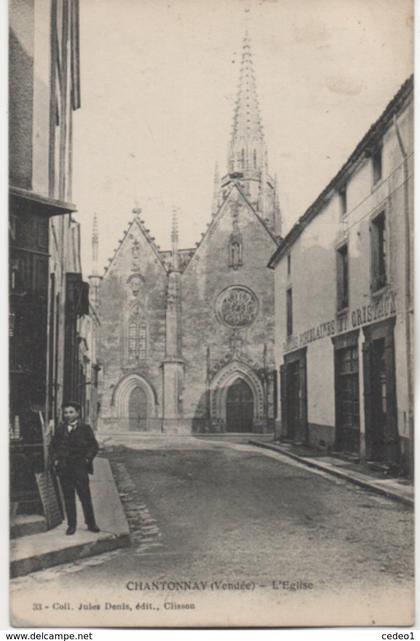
<point>382,307</point>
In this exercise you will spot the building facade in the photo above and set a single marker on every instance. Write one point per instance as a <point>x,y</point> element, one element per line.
<point>187,335</point>
<point>44,239</point>
<point>344,303</point>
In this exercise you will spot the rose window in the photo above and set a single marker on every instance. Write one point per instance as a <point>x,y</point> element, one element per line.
<point>237,306</point>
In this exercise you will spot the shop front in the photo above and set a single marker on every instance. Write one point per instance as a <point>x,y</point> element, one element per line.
<point>28,341</point>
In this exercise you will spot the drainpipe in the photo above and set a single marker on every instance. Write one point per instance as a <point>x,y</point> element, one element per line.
<point>408,303</point>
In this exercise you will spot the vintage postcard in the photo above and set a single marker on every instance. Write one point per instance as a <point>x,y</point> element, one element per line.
<point>211,313</point>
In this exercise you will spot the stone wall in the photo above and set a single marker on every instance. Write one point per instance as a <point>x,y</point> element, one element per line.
<point>136,277</point>
<point>209,342</point>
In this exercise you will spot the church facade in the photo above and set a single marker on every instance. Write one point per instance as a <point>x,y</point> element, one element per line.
<point>187,335</point>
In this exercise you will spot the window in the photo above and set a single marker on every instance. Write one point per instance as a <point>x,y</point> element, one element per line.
<point>289,312</point>
<point>142,341</point>
<point>342,194</point>
<point>289,264</point>
<point>378,244</point>
<point>235,254</point>
<point>235,246</point>
<point>342,277</point>
<point>377,164</point>
<point>132,342</point>
<point>137,339</point>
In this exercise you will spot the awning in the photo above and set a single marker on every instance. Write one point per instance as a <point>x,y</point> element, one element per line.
<point>25,201</point>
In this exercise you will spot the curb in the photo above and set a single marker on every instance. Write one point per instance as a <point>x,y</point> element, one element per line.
<point>22,567</point>
<point>367,485</point>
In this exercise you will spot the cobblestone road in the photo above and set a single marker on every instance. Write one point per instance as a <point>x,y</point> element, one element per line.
<point>206,510</point>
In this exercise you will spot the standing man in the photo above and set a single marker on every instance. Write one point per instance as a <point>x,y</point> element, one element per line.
<point>73,448</point>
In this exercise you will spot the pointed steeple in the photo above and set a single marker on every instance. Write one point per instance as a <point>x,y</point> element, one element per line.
<point>247,152</point>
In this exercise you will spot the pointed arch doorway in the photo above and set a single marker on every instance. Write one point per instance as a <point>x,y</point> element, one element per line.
<point>239,407</point>
<point>137,410</point>
<point>134,403</point>
<point>237,386</point>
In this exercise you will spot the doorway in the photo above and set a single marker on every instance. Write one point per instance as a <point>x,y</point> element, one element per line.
<point>379,399</point>
<point>347,399</point>
<point>294,396</point>
<point>137,410</point>
<point>292,384</point>
<point>239,407</point>
<point>382,442</point>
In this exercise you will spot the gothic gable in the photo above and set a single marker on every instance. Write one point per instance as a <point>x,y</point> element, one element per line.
<point>135,252</point>
<point>233,216</point>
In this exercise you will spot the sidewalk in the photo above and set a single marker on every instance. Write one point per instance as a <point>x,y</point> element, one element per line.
<point>42,550</point>
<point>358,473</point>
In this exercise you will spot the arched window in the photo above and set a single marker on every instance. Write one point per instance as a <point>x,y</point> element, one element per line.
<point>254,155</point>
<point>136,338</point>
<point>142,340</point>
<point>132,342</point>
<point>235,253</point>
<point>243,158</point>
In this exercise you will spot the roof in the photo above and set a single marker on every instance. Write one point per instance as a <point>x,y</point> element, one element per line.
<point>366,146</point>
<point>185,255</point>
<point>233,186</point>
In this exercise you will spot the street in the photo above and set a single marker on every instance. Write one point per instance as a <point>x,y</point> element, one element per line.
<point>205,510</point>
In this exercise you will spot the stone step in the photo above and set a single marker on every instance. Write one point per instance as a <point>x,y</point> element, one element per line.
<point>27,524</point>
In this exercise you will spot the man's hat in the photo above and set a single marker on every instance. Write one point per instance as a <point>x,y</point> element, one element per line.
<point>74,404</point>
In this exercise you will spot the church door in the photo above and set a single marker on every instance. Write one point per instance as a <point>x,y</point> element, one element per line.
<point>137,410</point>
<point>239,407</point>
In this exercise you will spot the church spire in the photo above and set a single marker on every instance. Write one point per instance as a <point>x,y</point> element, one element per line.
<point>247,152</point>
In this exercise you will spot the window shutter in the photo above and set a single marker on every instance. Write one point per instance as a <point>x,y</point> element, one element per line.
<point>375,256</point>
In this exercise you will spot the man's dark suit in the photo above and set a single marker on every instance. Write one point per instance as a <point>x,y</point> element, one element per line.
<point>74,452</point>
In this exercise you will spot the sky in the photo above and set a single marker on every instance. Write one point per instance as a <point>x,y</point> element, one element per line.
<point>159,81</point>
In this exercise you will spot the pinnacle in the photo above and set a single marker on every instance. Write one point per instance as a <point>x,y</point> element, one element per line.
<point>95,243</point>
<point>174,234</point>
<point>95,232</point>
